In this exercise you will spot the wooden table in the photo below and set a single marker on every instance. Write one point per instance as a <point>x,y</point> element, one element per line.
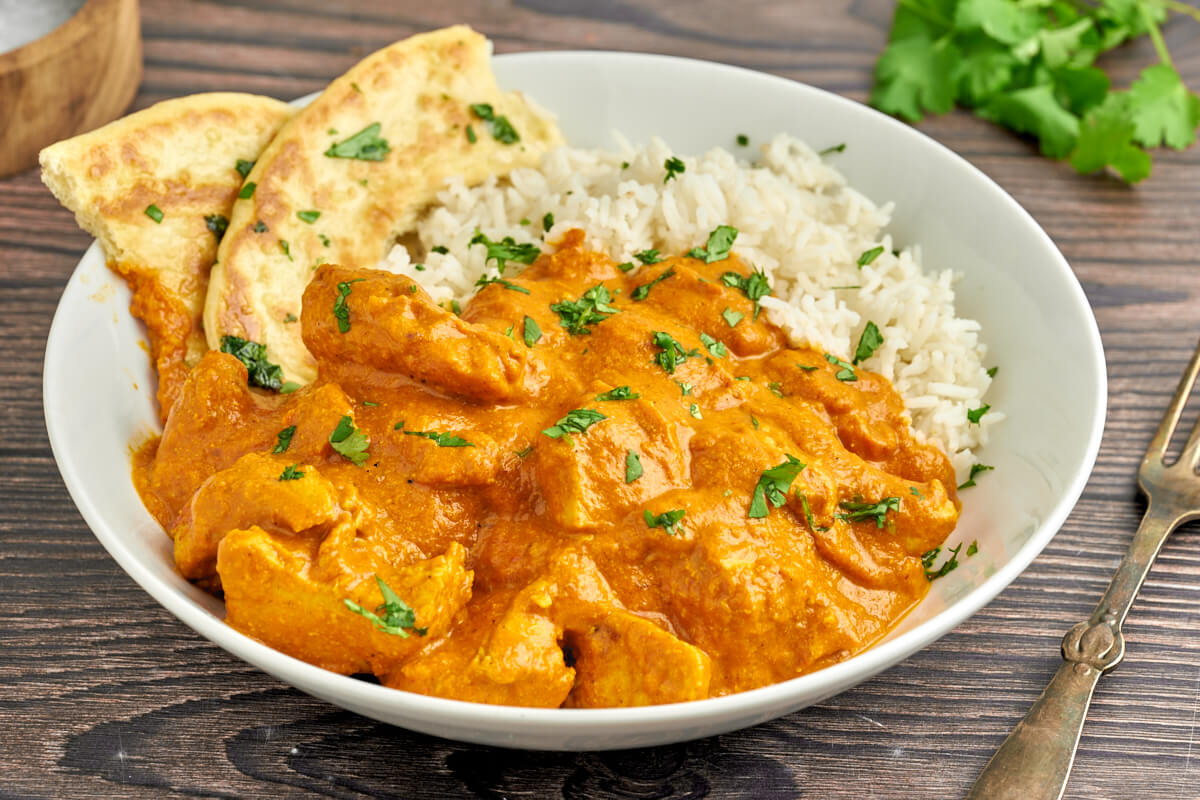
<point>104,694</point>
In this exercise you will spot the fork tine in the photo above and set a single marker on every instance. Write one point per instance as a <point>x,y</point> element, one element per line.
<point>1166,428</point>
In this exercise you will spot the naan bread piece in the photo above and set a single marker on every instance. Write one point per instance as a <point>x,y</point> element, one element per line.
<point>177,159</point>
<point>352,171</point>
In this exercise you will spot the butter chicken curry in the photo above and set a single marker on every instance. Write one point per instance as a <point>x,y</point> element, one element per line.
<point>590,489</point>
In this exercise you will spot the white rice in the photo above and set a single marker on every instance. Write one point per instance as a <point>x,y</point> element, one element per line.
<point>797,220</point>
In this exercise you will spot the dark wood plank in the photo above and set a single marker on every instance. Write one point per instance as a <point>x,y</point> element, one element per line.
<point>104,694</point>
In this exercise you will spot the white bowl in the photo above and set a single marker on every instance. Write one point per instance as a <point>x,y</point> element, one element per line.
<point>1036,322</point>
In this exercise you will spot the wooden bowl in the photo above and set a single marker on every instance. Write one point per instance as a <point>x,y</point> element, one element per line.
<point>75,78</point>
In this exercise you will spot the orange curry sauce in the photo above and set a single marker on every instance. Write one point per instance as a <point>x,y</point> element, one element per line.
<point>554,569</point>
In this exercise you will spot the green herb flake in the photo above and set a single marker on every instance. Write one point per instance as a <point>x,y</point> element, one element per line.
<point>243,167</point>
<point>773,486</point>
<point>717,248</point>
<point>530,332</point>
<point>642,292</point>
<point>915,492</point>
<point>648,256</point>
<point>743,140</point>
<point>846,372</point>
<point>837,148</point>
<point>522,453</point>
<point>754,421</point>
<point>868,343</point>
<point>618,393</point>
<point>694,410</point>
<point>633,466</point>
<point>439,249</point>
<point>973,548</point>
<point>260,227</point>
<point>576,316</point>
<point>502,129</point>
<point>991,373</point>
<point>398,617</point>
<point>290,473</point>
<point>259,371</point>
<point>506,250</point>
<point>673,166</point>
<point>247,190</point>
<point>668,520</point>
<point>288,387</point>
<point>370,403</point>
<point>217,224</point>
<point>471,137</point>
<point>975,470</point>
<point>731,317</point>
<point>869,256</point>
<point>976,414</point>
<point>948,566</point>
<point>155,213</point>
<point>287,250</point>
<point>577,420</point>
<point>341,311</point>
<point>547,222</point>
<point>808,514</point>
<point>626,266</point>
<point>349,441</point>
<point>858,511</point>
<point>685,388</point>
<point>308,216</point>
<point>485,280</point>
<point>290,317</point>
<point>441,439</point>
<point>324,239</point>
<point>283,439</point>
<point>806,368</point>
<point>671,353</point>
<point>776,389</point>
<point>715,347</point>
<point>366,145</point>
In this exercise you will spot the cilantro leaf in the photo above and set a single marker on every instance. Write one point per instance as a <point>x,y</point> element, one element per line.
<point>590,309</point>
<point>948,566</point>
<point>290,473</point>
<point>366,145</point>
<point>976,414</point>
<point>858,511</point>
<point>914,74</point>
<point>668,520</point>
<point>673,166</point>
<point>506,250</point>
<point>643,291</point>
<point>349,441</point>
<point>283,439</point>
<point>341,311</point>
<point>487,280</point>
<point>717,247</point>
<point>671,352</point>
<point>259,371</point>
<point>773,486</point>
<point>1036,111</point>
<point>975,470</point>
<point>868,343</point>
<point>845,372</point>
<point>731,317</point>
<point>398,617</point>
<point>618,393</point>
<point>1164,111</point>
<point>577,420</point>
<point>1106,140</point>
<point>633,466</point>
<point>530,332</point>
<point>715,347</point>
<point>441,439</point>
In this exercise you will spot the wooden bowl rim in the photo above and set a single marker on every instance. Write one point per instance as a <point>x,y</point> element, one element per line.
<point>66,35</point>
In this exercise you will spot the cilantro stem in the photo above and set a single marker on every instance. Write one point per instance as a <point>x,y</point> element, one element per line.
<point>924,13</point>
<point>1180,8</point>
<point>1156,36</point>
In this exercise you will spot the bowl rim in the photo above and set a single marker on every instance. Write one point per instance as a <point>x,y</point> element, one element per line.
<point>779,697</point>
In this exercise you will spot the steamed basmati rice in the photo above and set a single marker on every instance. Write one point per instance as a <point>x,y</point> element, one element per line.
<point>797,220</point>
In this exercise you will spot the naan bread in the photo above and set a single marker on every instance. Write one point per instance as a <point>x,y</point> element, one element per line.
<point>415,95</point>
<point>179,157</point>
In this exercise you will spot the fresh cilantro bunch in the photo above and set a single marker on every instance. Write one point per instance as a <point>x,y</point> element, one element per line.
<point>1029,65</point>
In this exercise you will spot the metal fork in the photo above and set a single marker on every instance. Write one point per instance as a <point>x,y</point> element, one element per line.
<point>1035,760</point>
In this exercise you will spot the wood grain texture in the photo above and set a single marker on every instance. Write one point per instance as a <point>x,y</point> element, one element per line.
<point>104,694</point>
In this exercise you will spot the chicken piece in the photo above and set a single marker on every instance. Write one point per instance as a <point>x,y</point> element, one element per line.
<point>253,493</point>
<point>390,324</point>
<point>625,660</point>
<point>274,593</point>
<point>583,476</point>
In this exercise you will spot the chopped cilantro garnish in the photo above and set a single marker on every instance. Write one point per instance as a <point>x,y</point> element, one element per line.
<point>502,129</point>
<point>858,511</point>
<point>288,387</point>
<point>808,514</point>
<point>524,451</point>
<point>869,255</point>
<point>308,216</point>
<point>439,249</point>
<point>547,222</point>
<point>259,371</point>
<point>633,466</point>
<point>915,492</point>
<point>618,393</point>
<point>471,135</point>
<point>577,420</point>
<point>324,239</point>
<point>715,347</point>
<point>592,308</point>
<point>290,317</point>
<point>260,227</point>
<point>286,248</point>
<point>283,439</point>
<point>217,223</point>
<point>975,470</point>
<point>846,373</point>
<point>671,352</point>
<point>973,547</point>
<point>976,414</point>
<point>247,190</point>
<point>754,421</point>
<point>837,148</point>
<point>626,266</point>
<point>441,439</point>
<point>455,307</point>
<point>643,291</point>
<point>244,167</point>
<point>485,281</point>
<point>948,566</point>
<point>717,247</point>
<point>290,473</point>
<point>694,410</point>
<point>776,388</point>
<point>743,140</point>
<point>349,441</point>
<point>370,404</point>
<point>731,317</point>
<point>668,520</point>
<point>648,257</point>
<point>155,213</point>
<point>398,617</point>
<point>806,368</point>
<point>530,332</point>
<point>673,166</point>
<point>685,388</point>
<point>991,373</point>
<point>755,285</point>
<point>506,250</point>
<point>366,145</point>
<point>341,311</point>
<point>868,343</point>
